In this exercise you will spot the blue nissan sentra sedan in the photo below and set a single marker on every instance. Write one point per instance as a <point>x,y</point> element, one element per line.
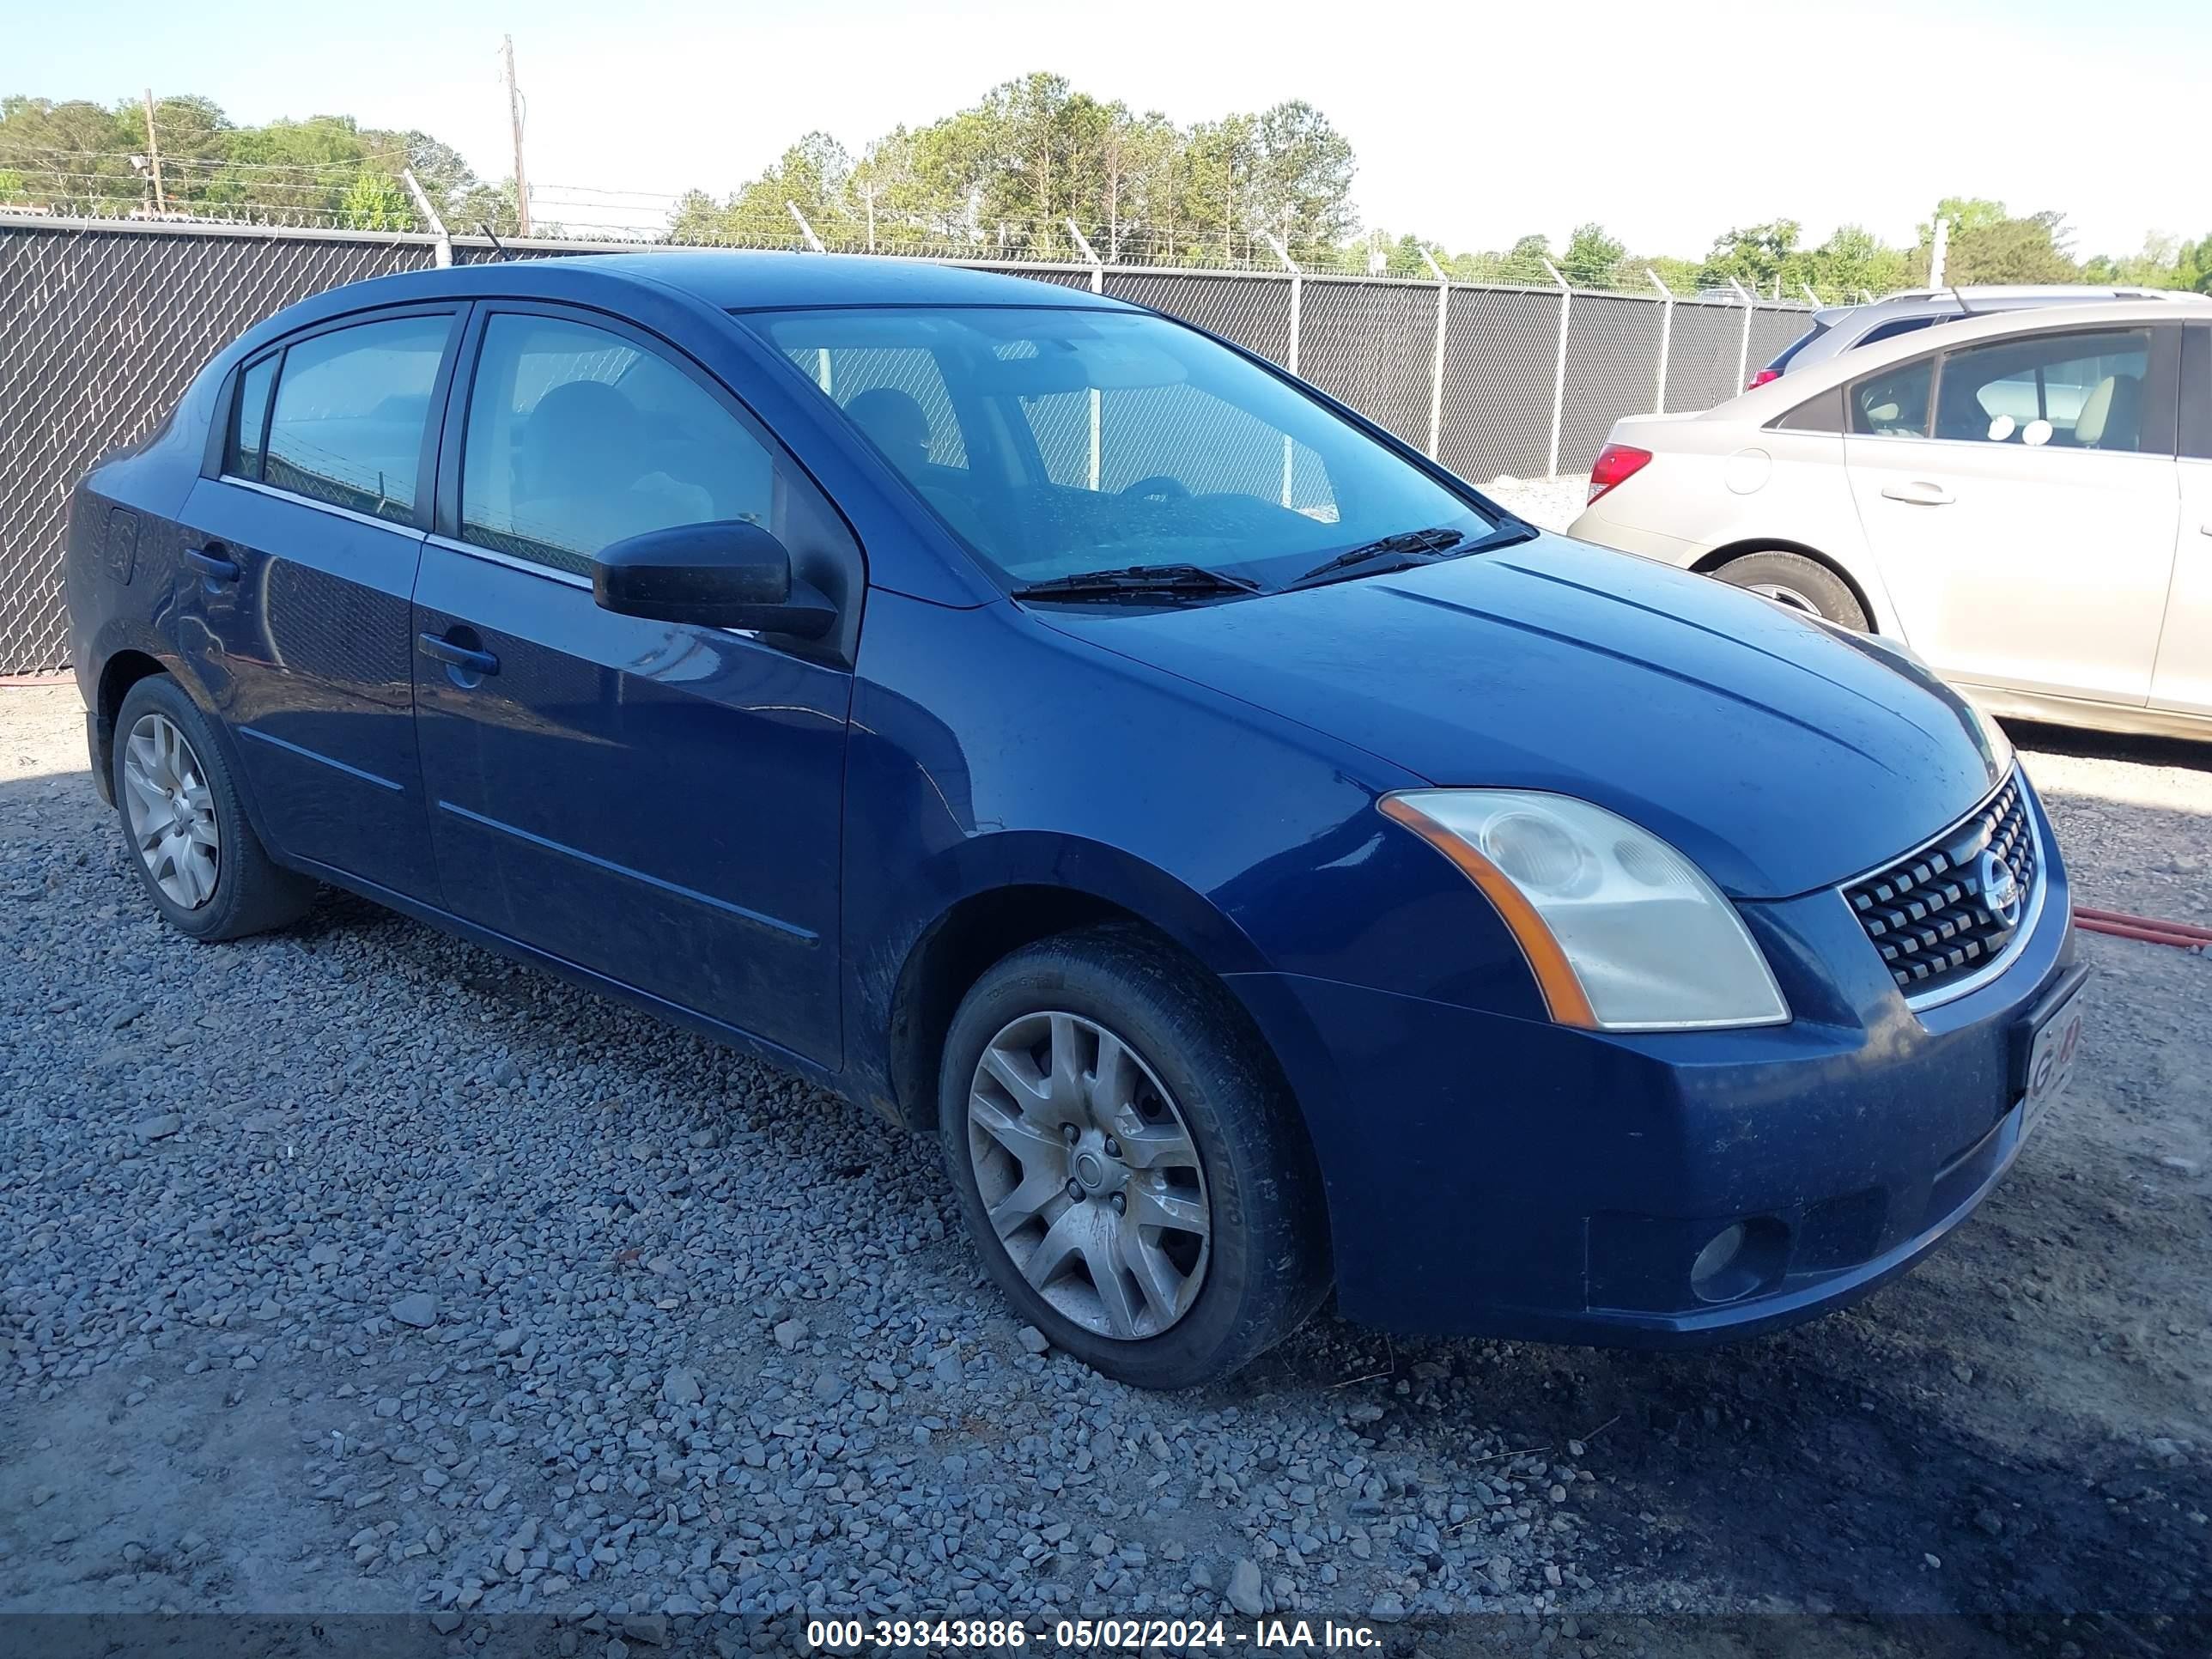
<point>1265,863</point>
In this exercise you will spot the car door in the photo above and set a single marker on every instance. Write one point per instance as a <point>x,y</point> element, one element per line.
<point>656,802</point>
<point>303,536</point>
<point>2183,683</point>
<point>2020,497</point>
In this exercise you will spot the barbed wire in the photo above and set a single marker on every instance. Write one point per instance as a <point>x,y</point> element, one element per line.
<point>216,190</point>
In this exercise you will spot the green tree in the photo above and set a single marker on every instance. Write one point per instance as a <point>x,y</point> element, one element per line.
<point>377,201</point>
<point>1591,256</point>
<point>1984,248</point>
<point>1757,256</point>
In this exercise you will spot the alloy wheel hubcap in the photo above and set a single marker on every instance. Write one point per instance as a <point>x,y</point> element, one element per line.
<point>172,813</point>
<point>1089,1175</point>
<point>1780,593</point>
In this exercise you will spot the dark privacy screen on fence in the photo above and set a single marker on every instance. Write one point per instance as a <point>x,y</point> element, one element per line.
<point>102,325</point>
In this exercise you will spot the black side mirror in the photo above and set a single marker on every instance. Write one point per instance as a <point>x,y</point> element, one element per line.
<point>726,573</point>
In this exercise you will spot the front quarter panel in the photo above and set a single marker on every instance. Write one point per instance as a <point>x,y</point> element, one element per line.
<point>990,751</point>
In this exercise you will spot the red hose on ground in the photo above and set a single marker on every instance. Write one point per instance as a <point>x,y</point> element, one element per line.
<point>2151,930</point>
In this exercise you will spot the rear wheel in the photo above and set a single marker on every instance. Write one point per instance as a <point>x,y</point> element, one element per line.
<point>1803,584</point>
<point>187,834</point>
<point>1126,1161</point>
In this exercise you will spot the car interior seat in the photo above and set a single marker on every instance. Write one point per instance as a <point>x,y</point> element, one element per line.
<point>2112,415</point>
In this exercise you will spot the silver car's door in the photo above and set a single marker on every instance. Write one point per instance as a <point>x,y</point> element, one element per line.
<point>2183,683</point>
<point>2020,497</point>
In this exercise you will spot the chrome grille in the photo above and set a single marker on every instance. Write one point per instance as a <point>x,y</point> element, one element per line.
<point>1928,913</point>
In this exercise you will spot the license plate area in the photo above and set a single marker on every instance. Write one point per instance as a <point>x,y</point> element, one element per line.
<point>2047,1049</point>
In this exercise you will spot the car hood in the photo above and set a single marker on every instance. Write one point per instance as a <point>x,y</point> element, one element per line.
<point>1780,754</point>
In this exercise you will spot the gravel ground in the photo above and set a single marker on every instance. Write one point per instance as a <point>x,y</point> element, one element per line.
<point>356,1269</point>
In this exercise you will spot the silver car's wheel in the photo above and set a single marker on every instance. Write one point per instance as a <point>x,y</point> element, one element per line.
<point>1801,583</point>
<point>1784,595</point>
<point>171,812</point>
<point>1089,1175</point>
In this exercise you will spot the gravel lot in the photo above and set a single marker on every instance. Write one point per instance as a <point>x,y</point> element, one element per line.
<point>355,1269</point>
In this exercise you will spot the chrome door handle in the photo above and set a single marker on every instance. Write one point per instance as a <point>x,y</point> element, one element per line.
<point>1920,494</point>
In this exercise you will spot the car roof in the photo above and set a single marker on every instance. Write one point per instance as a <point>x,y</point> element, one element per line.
<point>724,279</point>
<point>1762,404</point>
<point>1991,296</point>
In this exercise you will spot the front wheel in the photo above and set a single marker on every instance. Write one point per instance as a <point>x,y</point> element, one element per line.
<point>1801,583</point>
<point>1126,1163</point>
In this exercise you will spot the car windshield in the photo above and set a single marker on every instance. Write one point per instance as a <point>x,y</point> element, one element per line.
<point>1063,441</point>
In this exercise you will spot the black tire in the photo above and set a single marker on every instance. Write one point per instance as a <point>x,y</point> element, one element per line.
<point>1805,583</point>
<point>253,893</point>
<point>1268,1266</point>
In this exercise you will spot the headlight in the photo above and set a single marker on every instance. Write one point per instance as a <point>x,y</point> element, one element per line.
<point>1623,933</point>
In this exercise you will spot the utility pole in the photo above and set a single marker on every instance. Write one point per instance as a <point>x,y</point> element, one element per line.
<point>1941,247</point>
<point>515,118</point>
<point>154,155</point>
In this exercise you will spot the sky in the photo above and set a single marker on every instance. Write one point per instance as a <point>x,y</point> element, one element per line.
<point>1473,122</point>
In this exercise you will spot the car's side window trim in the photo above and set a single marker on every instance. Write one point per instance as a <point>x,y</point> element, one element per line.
<point>333,507</point>
<point>427,456</point>
<point>512,561</point>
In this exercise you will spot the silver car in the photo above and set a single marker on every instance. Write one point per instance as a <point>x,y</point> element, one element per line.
<point>2024,500</point>
<point>1838,329</point>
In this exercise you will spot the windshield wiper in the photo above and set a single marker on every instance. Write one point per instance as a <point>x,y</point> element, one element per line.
<point>1177,580</point>
<point>1414,545</point>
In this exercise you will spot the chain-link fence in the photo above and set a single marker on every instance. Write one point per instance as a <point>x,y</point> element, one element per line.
<point>102,323</point>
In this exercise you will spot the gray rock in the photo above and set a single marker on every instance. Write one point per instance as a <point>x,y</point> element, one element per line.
<point>789,1333</point>
<point>680,1387</point>
<point>158,1128</point>
<point>1035,1339</point>
<point>419,1309</point>
<point>1389,1608</point>
<point>1245,1590</point>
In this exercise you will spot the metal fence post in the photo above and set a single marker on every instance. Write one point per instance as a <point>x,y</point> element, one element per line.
<point>443,255</point>
<point>1743,346</point>
<point>1098,286</point>
<point>1083,244</point>
<point>1436,364</point>
<point>1666,336</point>
<point>1298,295</point>
<point>805,229</point>
<point>1559,368</point>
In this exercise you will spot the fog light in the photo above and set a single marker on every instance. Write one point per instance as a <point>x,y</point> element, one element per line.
<point>1742,1257</point>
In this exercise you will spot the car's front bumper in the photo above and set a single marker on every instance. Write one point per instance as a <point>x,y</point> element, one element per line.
<point>1501,1177</point>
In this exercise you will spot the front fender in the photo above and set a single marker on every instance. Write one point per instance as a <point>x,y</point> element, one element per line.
<point>989,752</point>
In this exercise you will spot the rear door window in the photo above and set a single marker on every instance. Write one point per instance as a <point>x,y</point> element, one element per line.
<point>347,425</point>
<point>1892,402</point>
<point>2082,391</point>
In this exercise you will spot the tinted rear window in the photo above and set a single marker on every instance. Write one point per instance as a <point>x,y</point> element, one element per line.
<point>347,426</point>
<point>1782,360</point>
